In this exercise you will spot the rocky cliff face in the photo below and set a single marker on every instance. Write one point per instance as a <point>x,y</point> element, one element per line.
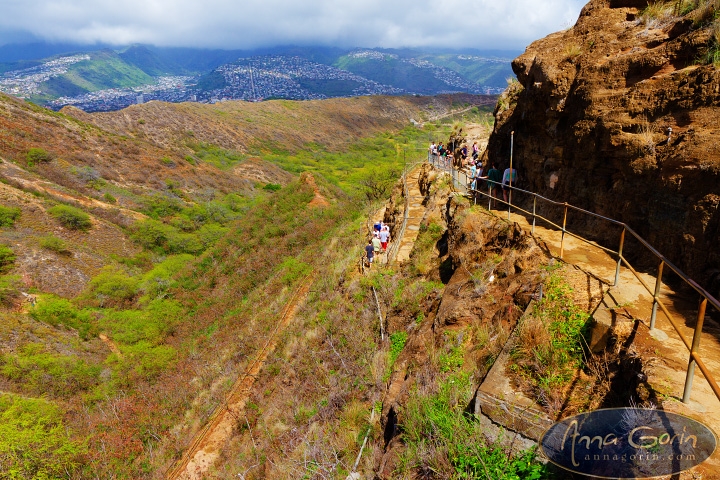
<point>592,113</point>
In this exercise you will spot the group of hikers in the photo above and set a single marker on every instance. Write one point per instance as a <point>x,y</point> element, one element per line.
<point>494,180</point>
<point>378,243</point>
<point>442,152</point>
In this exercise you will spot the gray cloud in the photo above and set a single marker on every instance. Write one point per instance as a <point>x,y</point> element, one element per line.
<point>482,24</point>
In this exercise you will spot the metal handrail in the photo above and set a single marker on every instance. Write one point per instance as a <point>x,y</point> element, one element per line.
<point>693,345</point>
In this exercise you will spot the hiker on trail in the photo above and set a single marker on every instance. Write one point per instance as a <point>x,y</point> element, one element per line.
<point>441,151</point>
<point>384,237</point>
<point>473,177</point>
<point>493,182</point>
<point>463,152</point>
<point>369,253</point>
<point>509,178</point>
<point>475,151</point>
<point>432,151</point>
<point>377,246</point>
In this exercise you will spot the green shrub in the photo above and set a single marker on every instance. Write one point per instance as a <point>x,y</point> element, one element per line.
<point>160,237</point>
<point>8,215</point>
<point>7,258</point>
<point>71,217</point>
<point>550,343</point>
<point>440,437</point>
<point>43,372</point>
<point>292,270</point>
<point>143,360</point>
<point>59,311</point>
<point>272,187</point>
<point>157,281</point>
<point>34,443</point>
<point>159,205</point>
<point>9,288</point>
<point>151,324</point>
<point>37,155</point>
<point>397,343</point>
<point>55,244</point>
<point>112,283</point>
<point>109,198</point>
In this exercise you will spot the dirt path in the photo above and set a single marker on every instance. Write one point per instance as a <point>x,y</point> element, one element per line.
<point>208,443</point>
<point>111,345</point>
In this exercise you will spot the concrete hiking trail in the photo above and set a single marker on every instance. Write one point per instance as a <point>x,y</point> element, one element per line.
<point>665,357</point>
<point>416,212</point>
<point>209,442</point>
<point>666,366</point>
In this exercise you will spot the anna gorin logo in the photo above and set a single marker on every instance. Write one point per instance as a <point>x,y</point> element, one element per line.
<point>621,443</point>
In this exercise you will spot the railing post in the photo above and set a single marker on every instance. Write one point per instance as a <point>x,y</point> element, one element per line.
<point>509,199</point>
<point>658,281</point>
<point>694,349</point>
<point>534,202</point>
<point>619,261</point>
<point>490,198</point>
<point>562,237</point>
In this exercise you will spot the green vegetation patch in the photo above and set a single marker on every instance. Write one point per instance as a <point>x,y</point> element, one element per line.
<point>71,217</point>
<point>440,437</point>
<point>219,157</point>
<point>34,442</point>
<point>550,343</point>
<point>45,372</point>
<point>37,155</point>
<point>7,258</point>
<point>54,244</point>
<point>60,311</point>
<point>8,215</point>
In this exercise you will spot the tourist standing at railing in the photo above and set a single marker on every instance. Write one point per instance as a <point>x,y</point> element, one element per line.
<point>433,149</point>
<point>509,178</point>
<point>472,178</point>
<point>493,182</point>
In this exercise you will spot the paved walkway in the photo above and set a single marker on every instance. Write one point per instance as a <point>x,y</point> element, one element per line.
<point>416,212</point>
<point>669,360</point>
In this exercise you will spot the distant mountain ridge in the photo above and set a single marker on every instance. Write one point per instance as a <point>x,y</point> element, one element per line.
<point>106,79</point>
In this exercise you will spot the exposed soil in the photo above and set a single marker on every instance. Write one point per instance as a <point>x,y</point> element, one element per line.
<point>207,445</point>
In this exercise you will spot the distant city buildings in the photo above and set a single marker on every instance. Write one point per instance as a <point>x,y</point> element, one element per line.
<point>252,79</point>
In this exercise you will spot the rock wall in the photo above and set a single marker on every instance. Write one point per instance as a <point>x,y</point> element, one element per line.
<point>592,112</point>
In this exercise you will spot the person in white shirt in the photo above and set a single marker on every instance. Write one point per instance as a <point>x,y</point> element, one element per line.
<point>384,237</point>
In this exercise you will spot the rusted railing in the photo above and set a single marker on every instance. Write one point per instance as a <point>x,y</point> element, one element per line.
<point>692,345</point>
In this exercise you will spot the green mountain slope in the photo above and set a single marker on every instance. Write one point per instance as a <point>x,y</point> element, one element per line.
<point>149,61</point>
<point>105,69</point>
<point>488,72</point>
<point>392,71</point>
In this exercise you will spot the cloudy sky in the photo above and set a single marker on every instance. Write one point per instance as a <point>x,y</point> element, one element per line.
<point>484,24</point>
